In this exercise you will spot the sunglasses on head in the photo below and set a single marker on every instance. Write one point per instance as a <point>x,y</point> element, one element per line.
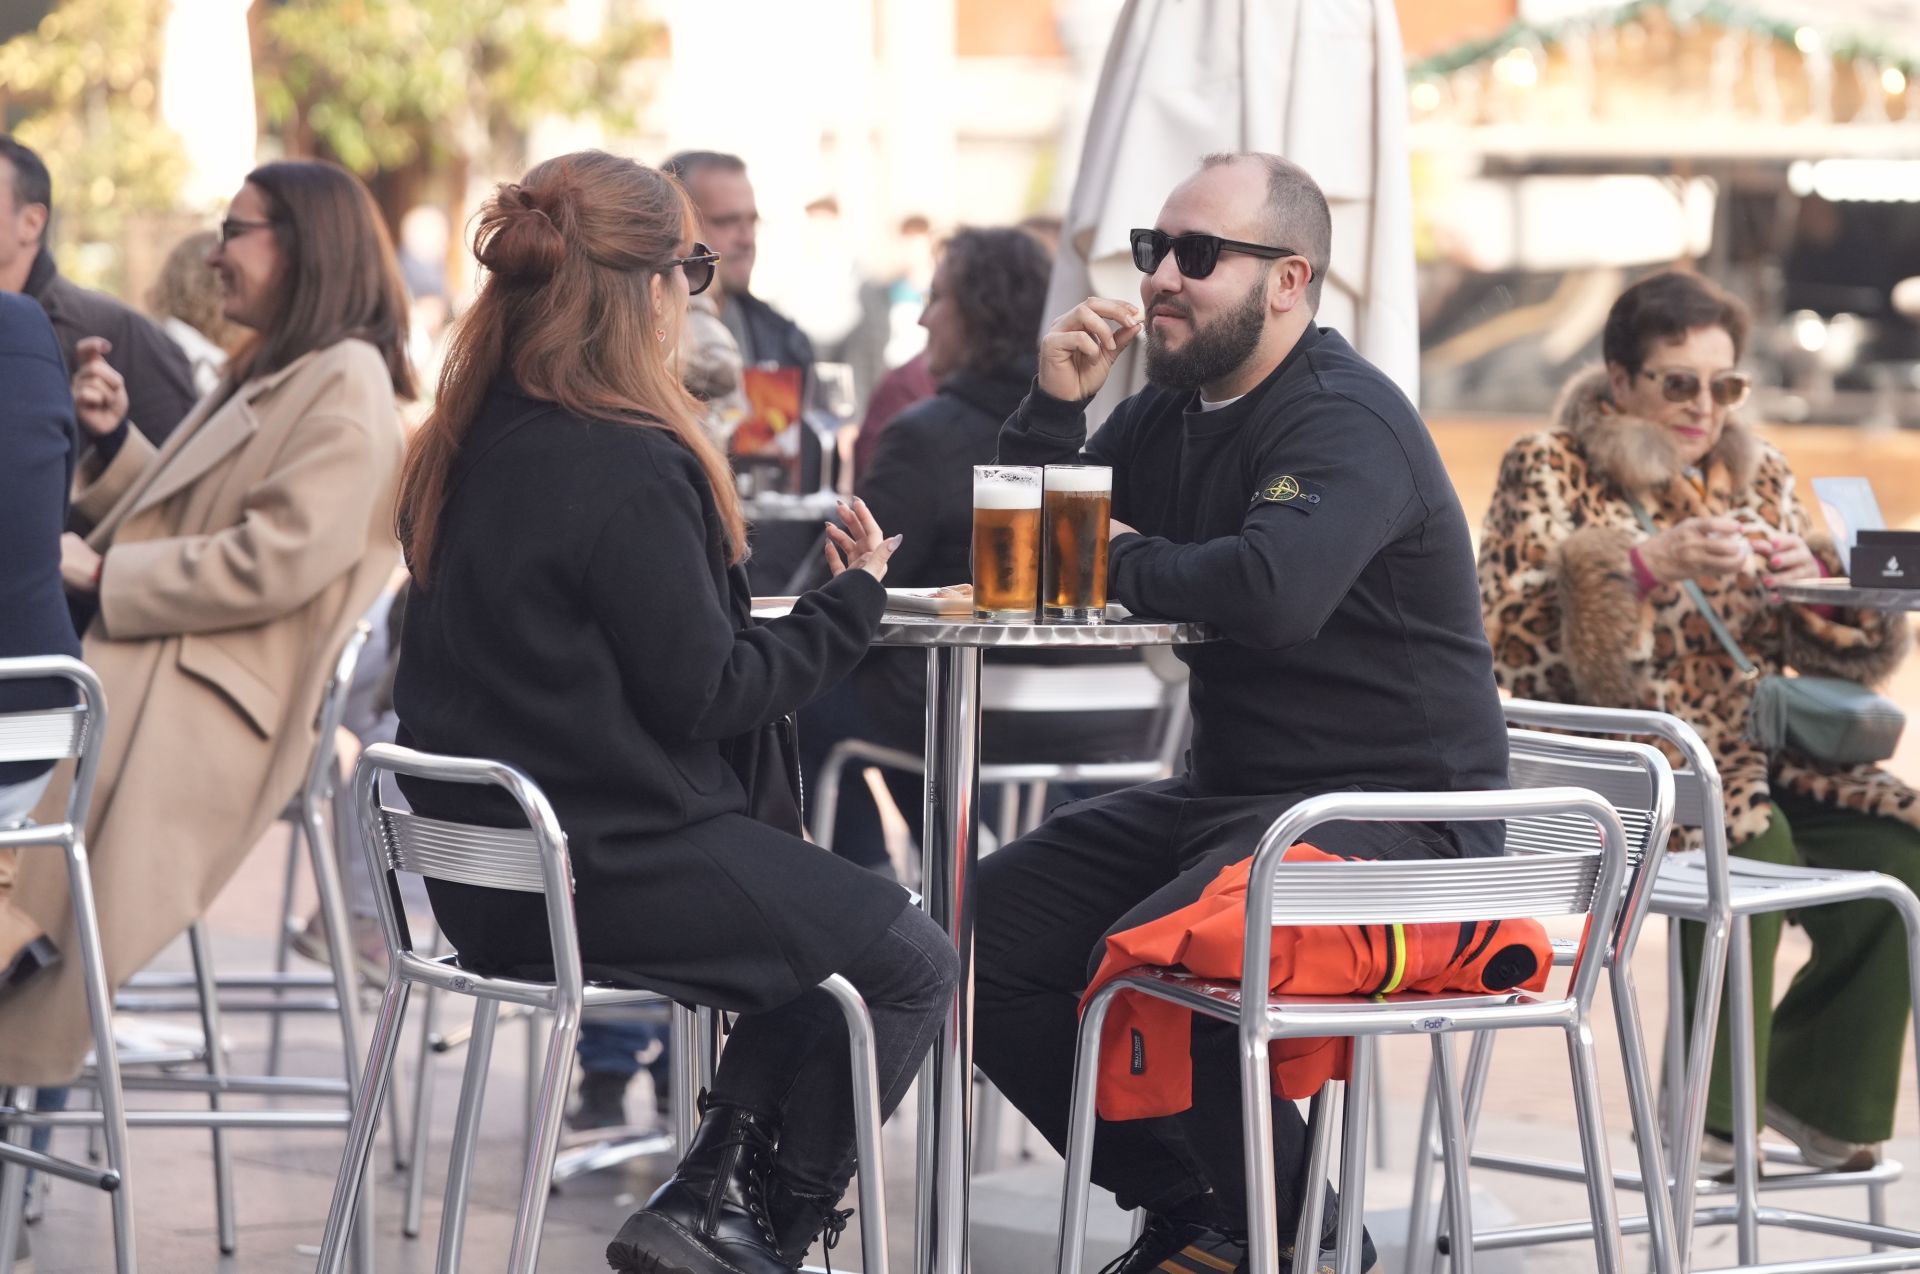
<point>699,268</point>
<point>1194,255</point>
<point>1729,389</point>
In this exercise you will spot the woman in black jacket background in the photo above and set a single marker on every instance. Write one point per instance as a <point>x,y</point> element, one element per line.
<point>579,610</point>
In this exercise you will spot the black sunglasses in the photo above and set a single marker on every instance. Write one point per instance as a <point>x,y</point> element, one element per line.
<point>1194,255</point>
<point>699,268</point>
<point>1729,389</point>
<point>233,227</point>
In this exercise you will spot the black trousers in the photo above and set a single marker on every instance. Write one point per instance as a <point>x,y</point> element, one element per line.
<point>1046,903</point>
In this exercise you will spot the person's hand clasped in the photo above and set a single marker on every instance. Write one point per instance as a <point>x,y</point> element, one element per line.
<point>79,564</point>
<point>1694,548</point>
<point>1791,559</point>
<point>1079,350</point>
<point>99,391</point>
<point>862,546</point>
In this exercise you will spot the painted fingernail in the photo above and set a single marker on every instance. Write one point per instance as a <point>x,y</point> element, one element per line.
<point>894,542</point>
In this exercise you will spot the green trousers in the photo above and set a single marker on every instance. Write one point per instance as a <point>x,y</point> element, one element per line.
<point>1830,1051</point>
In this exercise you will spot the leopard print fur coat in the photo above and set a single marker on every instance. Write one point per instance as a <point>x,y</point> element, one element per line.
<point>1567,625</point>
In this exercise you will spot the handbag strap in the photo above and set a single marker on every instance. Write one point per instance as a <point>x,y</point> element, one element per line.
<point>1739,656</point>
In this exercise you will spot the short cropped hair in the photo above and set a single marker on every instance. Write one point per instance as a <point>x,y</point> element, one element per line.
<point>1665,307</point>
<point>31,184</point>
<point>688,164</point>
<point>1297,215</point>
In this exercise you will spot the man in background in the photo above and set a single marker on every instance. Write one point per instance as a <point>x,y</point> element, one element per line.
<point>159,379</point>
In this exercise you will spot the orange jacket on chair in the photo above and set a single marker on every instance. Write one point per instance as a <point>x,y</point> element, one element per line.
<point>1146,1067</point>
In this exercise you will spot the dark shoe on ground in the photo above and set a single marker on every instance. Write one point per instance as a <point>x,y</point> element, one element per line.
<point>799,1219</point>
<point>602,1102</point>
<point>38,955</point>
<point>1190,1247</point>
<point>711,1216</point>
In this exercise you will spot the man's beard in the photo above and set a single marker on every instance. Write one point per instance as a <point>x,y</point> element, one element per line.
<point>1213,352</point>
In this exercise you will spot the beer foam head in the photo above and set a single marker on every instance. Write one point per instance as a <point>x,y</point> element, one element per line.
<point>1080,478</point>
<point>1004,493</point>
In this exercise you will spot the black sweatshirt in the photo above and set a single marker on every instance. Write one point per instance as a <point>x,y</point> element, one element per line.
<point>1312,524</point>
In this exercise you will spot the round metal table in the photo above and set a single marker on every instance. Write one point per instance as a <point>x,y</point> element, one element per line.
<point>1841,592</point>
<point>950,852</point>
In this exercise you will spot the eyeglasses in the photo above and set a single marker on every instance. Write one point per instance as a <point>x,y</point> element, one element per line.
<point>699,268</point>
<point>233,227</point>
<point>1195,255</point>
<point>1729,389</point>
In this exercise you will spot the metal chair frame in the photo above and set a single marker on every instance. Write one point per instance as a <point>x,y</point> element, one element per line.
<point>532,859</point>
<point>1586,881</point>
<point>1723,892</point>
<point>78,734</point>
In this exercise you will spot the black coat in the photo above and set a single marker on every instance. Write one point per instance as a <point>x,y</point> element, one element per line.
<point>580,621</point>
<point>36,469</point>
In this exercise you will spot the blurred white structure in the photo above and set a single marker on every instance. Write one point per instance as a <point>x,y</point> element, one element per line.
<point>206,95</point>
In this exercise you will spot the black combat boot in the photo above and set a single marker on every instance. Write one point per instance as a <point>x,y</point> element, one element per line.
<point>799,1219</point>
<point>711,1216</point>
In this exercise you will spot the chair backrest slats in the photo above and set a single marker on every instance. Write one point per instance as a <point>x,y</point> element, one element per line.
<point>55,734</point>
<point>496,857</point>
<point>1431,891</point>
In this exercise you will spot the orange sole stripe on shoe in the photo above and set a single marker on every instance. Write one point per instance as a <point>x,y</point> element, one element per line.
<point>1191,1260</point>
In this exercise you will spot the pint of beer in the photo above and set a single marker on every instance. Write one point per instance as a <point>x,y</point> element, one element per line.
<point>1079,506</point>
<point>1006,542</point>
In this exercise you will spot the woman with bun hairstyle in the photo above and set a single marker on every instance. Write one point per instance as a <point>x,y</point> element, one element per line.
<point>580,611</point>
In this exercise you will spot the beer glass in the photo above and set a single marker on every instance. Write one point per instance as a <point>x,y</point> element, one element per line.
<point>1006,542</point>
<point>1078,508</point>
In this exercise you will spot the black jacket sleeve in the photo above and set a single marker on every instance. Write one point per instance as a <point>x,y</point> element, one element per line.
<point>687,671</point>
<point>1275,583</point>
<point>1046,430</point>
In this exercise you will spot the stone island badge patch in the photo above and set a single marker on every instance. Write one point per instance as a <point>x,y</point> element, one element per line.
<point>1284,488</point>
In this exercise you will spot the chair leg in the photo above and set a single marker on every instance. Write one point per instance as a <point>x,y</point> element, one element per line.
<point>544,1139</point>
<point>208,994</point>
<point>1746,1118</point>
<point>283,940</point>
<point>1082,1124</point>
<point>1377,1094</point>
<point>1479,1066</point>
<point>1692,1062</point>
<point>1313,1193</point>
<point>683,1069</point>
<point>13,1192</point>
<point>1423,1220</point>
<point>531,1095</point>
<point>113,1107</point>
<point>466,1129</point>
<point>1644,1107</point>
<point>350,1185</point>
<point>1456,1151</point>
<point>1353,1160</point>
<point>422,1110</point>
<point>866,1125</point>
<point>988,1106</point>
<point>1593,1148</point>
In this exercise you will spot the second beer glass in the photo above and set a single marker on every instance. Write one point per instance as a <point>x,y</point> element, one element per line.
<point>1006,542</point>
<point>1079,507</point>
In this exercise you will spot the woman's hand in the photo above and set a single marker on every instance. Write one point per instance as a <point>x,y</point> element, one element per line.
<point>863,546</point>
<point>1791,559</point>
<point>79,565</point>
<point>1695,547</point>
<point>99,392</point>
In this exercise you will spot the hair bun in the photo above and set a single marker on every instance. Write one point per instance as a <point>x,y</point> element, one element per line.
<point>518,238</point>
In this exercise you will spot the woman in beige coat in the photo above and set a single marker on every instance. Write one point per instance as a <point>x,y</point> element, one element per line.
<point>222,574</point>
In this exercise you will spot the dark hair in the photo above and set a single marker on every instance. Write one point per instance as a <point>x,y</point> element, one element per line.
<point>997,281</point>
<point>1665,307</point>
<point>339,280</point>
<point>31,184</point>
<point>1297,215</point>
<point>688,164</point>
<point>571,251</point>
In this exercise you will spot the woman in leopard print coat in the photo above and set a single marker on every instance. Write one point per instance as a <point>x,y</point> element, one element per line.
<point>1583,606</point>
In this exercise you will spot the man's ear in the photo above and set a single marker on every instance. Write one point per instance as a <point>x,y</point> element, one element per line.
<point>1287,284</point>
<point>33,220</point>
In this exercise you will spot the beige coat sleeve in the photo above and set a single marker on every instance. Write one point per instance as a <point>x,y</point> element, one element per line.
<point>96,490</point>
<point>301,528</point>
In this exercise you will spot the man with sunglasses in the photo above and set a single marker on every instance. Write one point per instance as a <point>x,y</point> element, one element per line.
<point>159,378</point>
<point>1273,484</point>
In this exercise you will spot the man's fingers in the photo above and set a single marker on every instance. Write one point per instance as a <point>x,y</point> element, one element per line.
<point>93,347</point>
<point>1106,308</point>
<point>1077,345</point>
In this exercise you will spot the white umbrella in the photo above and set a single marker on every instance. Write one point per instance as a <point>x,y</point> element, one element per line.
<point>1322,82</point>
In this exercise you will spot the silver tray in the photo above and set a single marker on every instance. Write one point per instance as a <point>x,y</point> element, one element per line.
<point>1120,630</point>
<point>1841,592</point>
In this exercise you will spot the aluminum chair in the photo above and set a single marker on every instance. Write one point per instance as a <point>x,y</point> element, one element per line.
<point>77,733</point>
<point>1022,688</point>
<point>1638,782</point>
<point>1589,880</point>
<point>1723,892</point>
<point>530,859</point>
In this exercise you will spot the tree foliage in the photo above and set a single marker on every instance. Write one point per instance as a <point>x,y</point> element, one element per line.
<point>82,89</point>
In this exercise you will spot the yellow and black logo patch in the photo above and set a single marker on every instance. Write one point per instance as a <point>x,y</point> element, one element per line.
<point>1295,492</point>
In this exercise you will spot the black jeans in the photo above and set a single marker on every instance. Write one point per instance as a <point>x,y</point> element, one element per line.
<point>792,1063</point>
<point>1046,903</point>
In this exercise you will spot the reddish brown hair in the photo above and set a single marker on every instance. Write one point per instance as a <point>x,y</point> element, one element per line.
<point>566,307</point>
<point>339,279</point>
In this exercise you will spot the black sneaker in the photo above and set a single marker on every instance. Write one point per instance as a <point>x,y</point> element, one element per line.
<point>602,1102</point>
<point>1191,1247</point>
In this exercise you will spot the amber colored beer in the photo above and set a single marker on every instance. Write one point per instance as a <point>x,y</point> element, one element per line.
<point>1078,510</point>
<point>1006,542</point>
